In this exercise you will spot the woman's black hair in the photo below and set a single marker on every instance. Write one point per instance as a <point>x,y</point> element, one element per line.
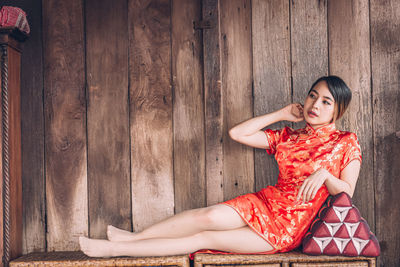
<point>340,92</point>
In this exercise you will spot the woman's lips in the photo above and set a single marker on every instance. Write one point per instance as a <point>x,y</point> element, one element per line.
<point>312,114</point>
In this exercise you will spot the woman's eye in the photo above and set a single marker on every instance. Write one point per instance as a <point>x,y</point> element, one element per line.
<point>326,102</point>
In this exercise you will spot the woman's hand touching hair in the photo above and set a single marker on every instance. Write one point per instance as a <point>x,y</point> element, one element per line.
<point>293,112</point>
<point>250,131</point>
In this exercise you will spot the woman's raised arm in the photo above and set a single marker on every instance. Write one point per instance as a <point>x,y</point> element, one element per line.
<point>249,132</point>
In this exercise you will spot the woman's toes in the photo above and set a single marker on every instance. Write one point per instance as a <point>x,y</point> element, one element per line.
<point>83,244</point>
<point>111,232</point>
<point>95,247</point>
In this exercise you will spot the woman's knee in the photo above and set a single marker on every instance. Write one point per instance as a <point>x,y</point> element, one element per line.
<point>219,217</point>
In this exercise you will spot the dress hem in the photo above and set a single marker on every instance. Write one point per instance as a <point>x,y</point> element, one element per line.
<point>252,227</point>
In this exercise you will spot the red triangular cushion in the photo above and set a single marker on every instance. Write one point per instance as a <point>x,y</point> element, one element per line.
<point>353,215</point>
<point>339,229</point>
<point>342,232</point>
<point>321,231</point>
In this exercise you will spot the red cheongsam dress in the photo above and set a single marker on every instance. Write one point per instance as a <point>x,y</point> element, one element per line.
<point>273,212</point>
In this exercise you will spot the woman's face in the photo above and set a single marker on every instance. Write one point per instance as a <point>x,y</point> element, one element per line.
<point>320,102</point>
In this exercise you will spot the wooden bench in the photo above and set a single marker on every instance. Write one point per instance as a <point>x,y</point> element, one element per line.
<point>288,259</point>
<point>77,258</point>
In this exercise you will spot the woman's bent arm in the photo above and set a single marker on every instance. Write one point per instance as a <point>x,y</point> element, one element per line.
<point>249,132</point>
<point>347,181</point>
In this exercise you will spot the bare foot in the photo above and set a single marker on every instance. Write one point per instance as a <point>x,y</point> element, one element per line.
<point>116,234</point>
<point>96,247</point>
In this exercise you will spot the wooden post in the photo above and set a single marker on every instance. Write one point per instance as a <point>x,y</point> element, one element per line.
<point>11,184</point>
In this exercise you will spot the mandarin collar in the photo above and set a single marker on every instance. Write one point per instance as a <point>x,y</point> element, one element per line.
<point>323,130</point>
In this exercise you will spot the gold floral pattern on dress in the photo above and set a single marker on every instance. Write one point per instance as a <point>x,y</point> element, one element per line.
<point>273,212</point>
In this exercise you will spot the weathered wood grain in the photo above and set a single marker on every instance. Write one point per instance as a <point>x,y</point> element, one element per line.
<point>11,121</point>
<point>385,62</point>
<point>271,74</point>
<point>14,84</point>
<point>309,47</point>
<point>107,116</point>
<point>65,124</point>
<point>213,103</point>
<point>32,128</point>
<point>349,58</point>
<point>188,109</point>
<point>151,111</point>
<point>236,56</point>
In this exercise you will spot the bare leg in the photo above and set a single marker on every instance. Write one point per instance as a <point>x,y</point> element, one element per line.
<point>241,240</point>
<point>189,222</point>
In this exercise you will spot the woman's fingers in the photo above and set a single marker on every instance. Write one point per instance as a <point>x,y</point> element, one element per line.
<point>314,193</point>
<point>299,194</point>
<point>302,194</point>
<point>307,191</point>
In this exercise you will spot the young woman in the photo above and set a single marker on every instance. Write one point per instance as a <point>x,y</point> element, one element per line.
<point>314,161</point>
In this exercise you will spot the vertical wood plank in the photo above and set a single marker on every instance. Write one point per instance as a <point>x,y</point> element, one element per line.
<point>14,147</point>
<point>108,116</point>
<point>32,128</point>
<point>271,74</point>
<point>309,46</point>
<point>349,58</point>
<point>213,103</point>
<point>188,111</point>
<point>33,197</point>
<point>12,68</point>
<point>385,61</point>
<point>237,94</point>
<point>65,120</point>
<point>151,111</point>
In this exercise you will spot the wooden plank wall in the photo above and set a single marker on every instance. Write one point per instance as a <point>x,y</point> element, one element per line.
<point>188,115</point>
<point>32,126</point>
<point>349,58</point>
<point>150,111</point>
<point>385,99</point>
<point>236,63</point>
<point>126,106</point>
<point>65,123</point>
<point>271,73</point>
<point>107,99</point>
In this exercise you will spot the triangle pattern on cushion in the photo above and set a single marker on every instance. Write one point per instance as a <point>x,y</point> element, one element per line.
<point>333,227</point>
<point>372,248</point>
<point>363,231</point>
<point>322,241</point>
<point>341,243</point>
<point>339,229</point>
<point>350,250</point>
<point>331,249</point>
<point>342,232</point>
<point>351,228</point>
<point>359,244</point>
<point>353,215</point>
<point>341,200</point>
<point>330,215</point>
<point>322,231</point>
<point>341,212</point>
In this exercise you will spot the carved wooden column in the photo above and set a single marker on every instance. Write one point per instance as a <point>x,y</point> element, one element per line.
<point>10,168</point>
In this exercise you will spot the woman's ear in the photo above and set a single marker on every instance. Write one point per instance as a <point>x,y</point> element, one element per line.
<point>335,114</point>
